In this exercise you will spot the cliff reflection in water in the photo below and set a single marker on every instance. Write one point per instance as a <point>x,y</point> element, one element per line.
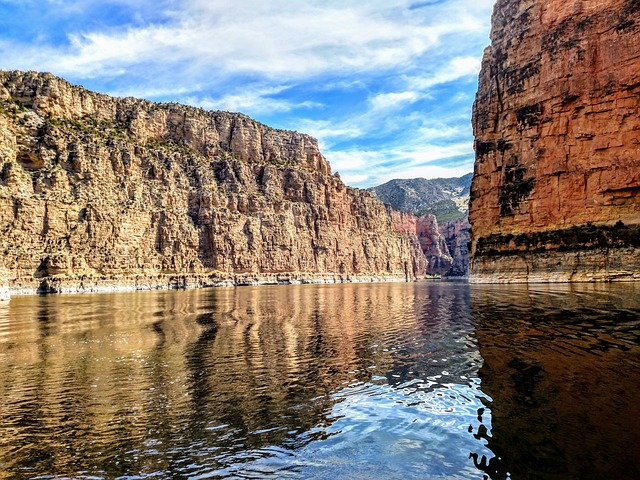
<point>561,365</point>
<point>297,380</point>
<point>427,380</point>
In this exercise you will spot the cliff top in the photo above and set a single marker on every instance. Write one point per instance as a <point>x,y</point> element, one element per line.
<point>56,102</point>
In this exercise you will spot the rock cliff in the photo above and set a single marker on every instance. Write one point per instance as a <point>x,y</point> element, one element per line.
<point>99,192</point>
<point>557,124</point>
<point>456,235</point>
<point>434,245</point>
<point>442,225</point>
<point>426,237</point>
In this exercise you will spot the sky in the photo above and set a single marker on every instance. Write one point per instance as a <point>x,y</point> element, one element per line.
<point>386,86</point>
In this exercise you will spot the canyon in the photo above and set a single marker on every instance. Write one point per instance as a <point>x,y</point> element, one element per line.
<point>442,225</point>
<point>555,192</point>
<point>103,193</point>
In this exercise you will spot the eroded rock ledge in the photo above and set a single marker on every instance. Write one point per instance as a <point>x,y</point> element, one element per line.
<point>557,127</point>
<point>577,254</point>
<point>102,193</point>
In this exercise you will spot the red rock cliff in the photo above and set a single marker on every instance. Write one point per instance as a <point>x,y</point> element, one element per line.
<point>557,125</point>
<point>456,235</point>
<point>425,236</point>
<point>98,192</point>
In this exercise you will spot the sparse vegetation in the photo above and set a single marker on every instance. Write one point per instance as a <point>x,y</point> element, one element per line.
<point>443,197</point>
<point>170,147</point>
<point>14,110</point>
<point>103,128</point>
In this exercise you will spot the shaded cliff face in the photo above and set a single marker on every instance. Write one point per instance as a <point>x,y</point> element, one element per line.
<point>557,124</point>
<point>99,191</point>
<point>434,245</point>
<point>426,237</point>
<point>456,235</point>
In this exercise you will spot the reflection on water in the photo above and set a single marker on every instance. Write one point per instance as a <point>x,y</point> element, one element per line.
<point>562,365</point>
<point>428,380</point>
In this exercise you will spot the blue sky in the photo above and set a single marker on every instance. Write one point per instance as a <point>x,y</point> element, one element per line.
<point>385,85</point>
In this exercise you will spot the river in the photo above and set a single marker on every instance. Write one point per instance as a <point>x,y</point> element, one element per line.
<point>356,381</point>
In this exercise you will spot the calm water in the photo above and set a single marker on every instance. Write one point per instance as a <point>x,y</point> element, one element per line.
<point>393,381</point>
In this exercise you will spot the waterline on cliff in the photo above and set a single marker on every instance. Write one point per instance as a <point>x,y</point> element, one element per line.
<point>61,285</point>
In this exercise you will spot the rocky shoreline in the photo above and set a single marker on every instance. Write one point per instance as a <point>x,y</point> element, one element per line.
<point>55,285</point>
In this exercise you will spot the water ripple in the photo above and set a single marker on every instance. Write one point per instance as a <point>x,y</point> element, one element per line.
<point>329,381</point>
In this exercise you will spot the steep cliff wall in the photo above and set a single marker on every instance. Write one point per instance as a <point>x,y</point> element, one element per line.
<point>426,237</point>
<point>434,245</point>
<point>557,125</point>
<point>98,192</point>
<point>456,235</point>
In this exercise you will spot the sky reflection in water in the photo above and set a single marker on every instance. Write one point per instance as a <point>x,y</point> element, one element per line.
<point>328,381</point>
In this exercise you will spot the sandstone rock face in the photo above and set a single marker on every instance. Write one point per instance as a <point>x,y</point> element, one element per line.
<point>98,192</point>
<point>407,224</point>
<point>426,238</point>
<point>434,245</point>
<point>456,235</point>
<point>557,124</point>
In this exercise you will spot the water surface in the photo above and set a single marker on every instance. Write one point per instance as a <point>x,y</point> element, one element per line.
<point>426,380</point>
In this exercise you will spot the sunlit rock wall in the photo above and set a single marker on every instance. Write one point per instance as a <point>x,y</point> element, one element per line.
<point>557,125</point>
<point>99,192</point>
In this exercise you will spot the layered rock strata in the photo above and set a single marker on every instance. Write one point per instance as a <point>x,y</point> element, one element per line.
<point>434,245</point>
<point>426,237</point>
<point>456,235</point>
<point>102,193</point>
<point>557,124</point>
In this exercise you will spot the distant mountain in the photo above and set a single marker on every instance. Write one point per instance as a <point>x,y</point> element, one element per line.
<point>446,198</point>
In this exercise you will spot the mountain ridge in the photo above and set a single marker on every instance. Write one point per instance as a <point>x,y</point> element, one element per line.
<point>440,205</point>
<point>445,198</point>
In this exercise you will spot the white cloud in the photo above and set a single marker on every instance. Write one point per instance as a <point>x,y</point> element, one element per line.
<point>423,171</point>
<point>328,132</point>
<point>383,107</point>
<point>431,153</point>
<point>365,73</point>
<point>266,38</point>
<point>352,161</point>
<point>385,101</point>
<point>458,67</point>
<point>431,133</point>
<point>368,168</point>
<point>251,100</point>
<point>354,179</point>
<point>141,91</point>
